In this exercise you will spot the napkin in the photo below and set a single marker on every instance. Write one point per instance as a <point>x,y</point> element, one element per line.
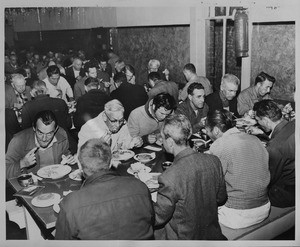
<point>156,149</point>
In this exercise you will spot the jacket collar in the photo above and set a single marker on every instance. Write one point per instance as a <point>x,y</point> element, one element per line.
<point>102,175</point>
<point>186,152</point>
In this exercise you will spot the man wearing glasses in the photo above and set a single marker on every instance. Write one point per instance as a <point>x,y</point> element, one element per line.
<point>43,144</point>
<point>111,126</point>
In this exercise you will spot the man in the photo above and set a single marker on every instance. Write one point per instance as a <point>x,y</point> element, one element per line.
<point>146,121</point>
<point>42,102</point>
<point>17,94</point>
<point>33,148</point>
<point>55,81</point>
<point>281,148</point>
<point>153,66</point>
<point>225,98</point>
<point>249,96</point>
<point>112,59</point>
<point>119,66</point>
<point>73,72</point>
<point>130,95</point>
<point>12,65</point>
<point>158,86</point>
<point>107,206</point>
<point>191,76</point>
<point>90,70</point>
<point>245,166</point>
<point>104,66</point>
<point>190,190</point>
<point>194,107</point>
<point>111,126</point>
<point>90,104</point>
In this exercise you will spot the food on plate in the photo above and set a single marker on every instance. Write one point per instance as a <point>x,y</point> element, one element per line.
<point>144,157</point>
<point>54,171</point>
<point>122,154</point>
<point>245,121</point>
<point>47,196</point>
<point>150,179</point>
<point>137,166</point>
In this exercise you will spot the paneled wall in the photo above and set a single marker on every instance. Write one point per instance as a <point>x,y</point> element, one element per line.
<point>168,44</point>
<point>273,51</point>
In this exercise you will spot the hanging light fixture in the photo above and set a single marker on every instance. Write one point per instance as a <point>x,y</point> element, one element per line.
<point>241,33</point>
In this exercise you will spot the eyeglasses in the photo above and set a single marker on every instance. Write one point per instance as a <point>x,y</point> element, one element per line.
<point>114,121</point>
<point>49,134</point>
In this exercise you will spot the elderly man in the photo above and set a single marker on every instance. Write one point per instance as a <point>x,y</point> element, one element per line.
<point>153,66</point>
<point>190,190</point>
<point>55,81</point>
<point>281,148</point>
<point>194,107</point>
<point>107,206</point>
<point>191,76</point>
<point>111,126</point>
<point>130,95</point>
<point>17,94</point>
<point>245,166</point>
<point>90,104</point>
<point>225,98</point>
<point>33,148</point>
<point>73,72</point>
<point>42,102</point>
<point>146,121</point>
<point>249,96</point>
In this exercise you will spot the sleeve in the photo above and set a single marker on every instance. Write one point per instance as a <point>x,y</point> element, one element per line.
<point>183,94</point>
<point>166,200</point>
<point>133,124</point>
<point>275,163</point>
<point>13,157</point>
<point>69,90</point>
<point>242,105</point>
<point>222,192</point>
<point>26,121</point>
<point>77,91</point>
<point>63,229</point>
<point>68,116</point>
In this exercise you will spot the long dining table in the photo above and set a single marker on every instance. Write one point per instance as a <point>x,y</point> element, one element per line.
<point>41,220</point>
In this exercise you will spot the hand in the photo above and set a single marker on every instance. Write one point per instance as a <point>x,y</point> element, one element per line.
<point>106,84</point>
<point>68,159</point>
<point>29,158</point>
<point>166,72</point>
<point>254,130</point>
<point>249,114</point>
<point>107,138</point>
<point>202,121</point>
<point>151,138</point>
<point>136,142</point>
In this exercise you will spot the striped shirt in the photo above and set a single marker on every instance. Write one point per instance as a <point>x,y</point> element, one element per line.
<point>245,165</point>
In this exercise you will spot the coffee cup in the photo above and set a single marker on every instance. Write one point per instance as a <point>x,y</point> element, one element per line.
<point>25,180</point>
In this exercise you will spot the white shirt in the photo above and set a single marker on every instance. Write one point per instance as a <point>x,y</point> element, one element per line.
<point>63,85</point>
<point>97,128</point>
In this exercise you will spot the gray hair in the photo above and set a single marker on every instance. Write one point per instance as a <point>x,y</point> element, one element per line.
<point>94,156</point>
<point>230,78</point>
<point>39,87</point>
<point>113,106</point>
<point>17,77</point>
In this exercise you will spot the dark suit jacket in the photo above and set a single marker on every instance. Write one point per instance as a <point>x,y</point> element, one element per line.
<point>89,106</point>
<point>282,150</point>
<point>44,102</point>
<point>70,76</point>
<point>131,96</point>
<point>11,98</point>
<point>214,102</point>
<point>188,197</point>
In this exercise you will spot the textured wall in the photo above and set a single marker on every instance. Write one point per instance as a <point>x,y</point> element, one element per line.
<point>273,51</point>
<point>168,44</point>
<point>215,53</point>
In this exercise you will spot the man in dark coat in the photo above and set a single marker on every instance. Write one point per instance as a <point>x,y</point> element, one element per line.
<point>73,72</point>
<point>281,150</point>
<point>107,206</point>
<point>42,102</point>
<point>225,98</point>
<point>131,96</point>
<point>190,191</point>
<point>90,104</point>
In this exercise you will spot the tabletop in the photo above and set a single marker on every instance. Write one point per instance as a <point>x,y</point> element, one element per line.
<point>46,217</point>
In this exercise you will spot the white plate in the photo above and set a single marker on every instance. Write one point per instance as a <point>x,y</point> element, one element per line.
<point>150,179</point>
<point>122,154</point>
<point>56,208</point>
<point>45,200</point>
<point>146,169</point>
<point>54,171</point>
<point>76,175</point>
<point>144,157</point>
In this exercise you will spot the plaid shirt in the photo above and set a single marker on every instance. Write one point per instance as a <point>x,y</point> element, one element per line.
<point>245,165</point>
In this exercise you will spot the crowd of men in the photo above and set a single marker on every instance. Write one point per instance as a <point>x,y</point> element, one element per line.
<point>57,108</point>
